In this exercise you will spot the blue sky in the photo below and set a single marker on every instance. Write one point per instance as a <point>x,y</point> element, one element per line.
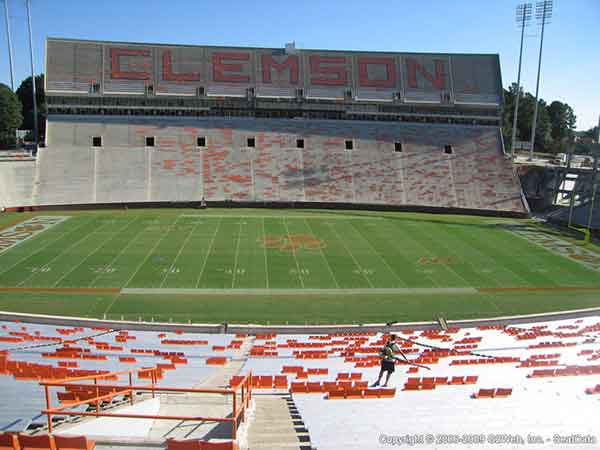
<point>570,70</point>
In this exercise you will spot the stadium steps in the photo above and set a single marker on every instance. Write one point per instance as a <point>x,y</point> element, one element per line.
<point>276,424</point>
<point>220,378</point>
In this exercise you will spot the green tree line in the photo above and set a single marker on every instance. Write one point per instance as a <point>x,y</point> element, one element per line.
<point>16,110</point>
<point>555,130</point>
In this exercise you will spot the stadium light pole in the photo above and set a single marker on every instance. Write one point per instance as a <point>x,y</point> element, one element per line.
<point>35,116</point>
<point>523,19</point>
<point>10,53</point>
<point>543,14</point>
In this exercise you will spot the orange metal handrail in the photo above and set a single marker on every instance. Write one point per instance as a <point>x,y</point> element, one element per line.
<point>244,386</point>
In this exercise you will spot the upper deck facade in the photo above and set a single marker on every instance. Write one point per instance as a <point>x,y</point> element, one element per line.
<point>116,76</point>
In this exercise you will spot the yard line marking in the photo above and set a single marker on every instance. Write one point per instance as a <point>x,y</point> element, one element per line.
<point>294,253</point>
<point>300,292</point>
<point>62,253</point>
<point>210,246</point>
<point>360,268</point>
<point>111,304</point>
<point>151,251</point>
<point>93,251</point>
<point>235,258</point>
<point>178,254</point>
<point>377,253</point>
<point>35,252</point>
<point>476,238</point>
<point>323,255</point>
<point>117,256</point>
<point>265,252</point>
<point>292,216</point>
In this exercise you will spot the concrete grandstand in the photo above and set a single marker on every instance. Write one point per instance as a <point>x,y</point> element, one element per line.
<point>134,123</point>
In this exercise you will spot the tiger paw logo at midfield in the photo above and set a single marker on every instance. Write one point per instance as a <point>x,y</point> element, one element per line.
<point>291,242</point>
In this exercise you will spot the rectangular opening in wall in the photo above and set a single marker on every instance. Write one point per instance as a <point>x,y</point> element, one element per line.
<point>251,142</point>
<point>448,149</point>
<point>96,141</point>
<point>398,147</point>
<point>349,144</point>
<point>299,143</point>
<point>149,141</point>
<point>201,141</point>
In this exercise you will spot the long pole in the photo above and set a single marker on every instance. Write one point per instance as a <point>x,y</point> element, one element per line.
<point>537,86</point>
<point>35,116</point>
<point>594,189</point>
<point>591,214</point>
<point>10,53</point>
<point>514,129</point>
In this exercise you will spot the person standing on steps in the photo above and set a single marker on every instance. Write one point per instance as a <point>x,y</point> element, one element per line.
<point>388,360</point>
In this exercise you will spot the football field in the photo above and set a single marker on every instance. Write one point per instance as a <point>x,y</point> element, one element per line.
<point>152,263</point>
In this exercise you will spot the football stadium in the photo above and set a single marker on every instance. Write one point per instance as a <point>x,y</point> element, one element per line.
<point>219,247</point>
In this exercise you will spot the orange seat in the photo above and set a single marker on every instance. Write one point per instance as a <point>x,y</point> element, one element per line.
<point>43,441</point>
<point>334,395</point>
<point>8,441</point>
<point>456,380</point>
<point>219,445</point>
<point>265,381</point>
<point>371,393</point>
<point>73,443</point>
<point>299,387</point>
<point>345,385</point>
<point>386,392</point>
<point>330,386</point>
<point>314,386</point>
<point>503,392</point>
<point>471,379</point>
<point>484,393</point>
<point>184,444</point>
<point>280,381</point>
<point>354,393</point>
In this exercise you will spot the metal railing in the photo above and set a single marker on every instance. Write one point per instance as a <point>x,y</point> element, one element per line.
<point>239,406</point>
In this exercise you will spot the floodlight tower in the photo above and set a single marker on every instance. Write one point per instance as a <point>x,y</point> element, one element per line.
<point>543,14</point>
<point>35,116</point>
<point>10,53</point>
<point>523,19</point>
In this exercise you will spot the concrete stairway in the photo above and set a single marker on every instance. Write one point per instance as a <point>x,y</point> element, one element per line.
<point>276,424</point>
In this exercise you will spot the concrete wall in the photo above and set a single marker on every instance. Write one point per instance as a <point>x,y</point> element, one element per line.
<point>476,175</point>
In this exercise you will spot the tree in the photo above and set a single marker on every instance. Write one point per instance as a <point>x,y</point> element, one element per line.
<point>25,94</point>
<point>592,133</point>
<point>543,137</point>
<point>585,144</point>
<point>562,120</point>
<point>10,116</point>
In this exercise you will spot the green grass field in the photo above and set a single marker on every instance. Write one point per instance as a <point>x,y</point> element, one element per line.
<point>286,266</point>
